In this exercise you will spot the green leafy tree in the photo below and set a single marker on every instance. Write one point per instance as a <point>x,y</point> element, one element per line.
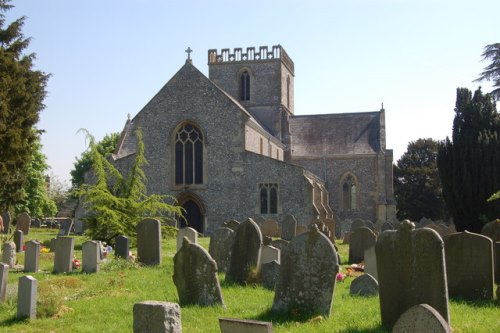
<point>469,164</point>
<point>417,186</point>
<point>22,91</point>
<point>84,163</point>
<point>116,203</point>
<point>492,71</point>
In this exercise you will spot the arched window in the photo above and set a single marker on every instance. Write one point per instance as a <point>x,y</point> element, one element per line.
<point>268,195</point>
<point>245,86</point>
<point>188,155</point>
<point>349,193</point>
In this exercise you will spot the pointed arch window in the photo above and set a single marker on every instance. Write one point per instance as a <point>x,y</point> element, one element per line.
<point>245,86</point>
<point>268,195</point>
<point>349,190</point>
<point>188,155</point>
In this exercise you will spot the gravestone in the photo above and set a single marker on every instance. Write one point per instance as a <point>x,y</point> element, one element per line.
<point>19,240</point>
<point>156,317</point>
<point>300,229</point>
<point>36,223</point>
<point>259,220</point>
<point>469,265</point>
<point>269,274</point>
<point>7,220</point>
<point>411,271</point>
<point>9,254</point>
<point>288,227</point>
<point>266,240</point>
<point>122,247</point>
<point>246,250</point>
<point>370,225</point>
<point>149,242</point>
<point>79,227</point>
<point>269,253</point>
<point>23,221</point>
<point>231,325</point>
<point>496,256</point>
<point>280,244</point>
<point>364,285</point>
<point>357,223</point>
<point>63,259</point>
<point>90,257</point>
<point>371,262</point>
<point>492,230</point>
<point>231,224</point>
<point>386,226</point>
<point>270,228</point>
<point>362,238</point>
<point>65,227</point>
<point>32,256</point>
<point>188,232</point>
<point>347,238</point>
<point>221,243</point>
<point>307,275</point>
<point>195,276</point>
<point>421,318</point>
<point>4,275</point>
<point>26,297</point>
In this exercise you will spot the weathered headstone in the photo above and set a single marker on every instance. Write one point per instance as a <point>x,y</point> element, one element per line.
<point>36,223</point>
<point>362,238</point>
<point>63,259</point>
<point>288,227</point>
<point>364,285</point>
<point>307,275</point>
<point>195,276</point>
<point>231,224</point>
<point>157,317</point>
<point>7,220</point>
<point>65,227</point>
<point>231,325</point>
<point>269,274</point>
<point>26,297</point>
<point>4,275</point>
<point>246,251</point>
<point>122,247</point>
<point>9,254</point>
<point>149,242</point>
<point>421,318</point>
<point>23,222</point>
<point>269,253</point>
<point>411,271</point>
<point>357,223</point>
<point>469,265</point>
<point>270,228</point>
<point>90,257</point>
<point>32,256</point>
<point>221,243</point>
<point>371,262</point>
<point>188,232</point>
<point>19,240</point>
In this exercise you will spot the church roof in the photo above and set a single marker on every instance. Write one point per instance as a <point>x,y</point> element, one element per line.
<point>335,134</point>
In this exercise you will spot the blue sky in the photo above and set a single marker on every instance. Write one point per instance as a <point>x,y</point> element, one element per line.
<point>108,58</point>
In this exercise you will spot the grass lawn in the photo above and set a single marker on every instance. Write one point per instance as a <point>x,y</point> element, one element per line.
<point>103,302</point>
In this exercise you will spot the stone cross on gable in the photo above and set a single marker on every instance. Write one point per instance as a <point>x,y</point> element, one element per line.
<point>188,51</point>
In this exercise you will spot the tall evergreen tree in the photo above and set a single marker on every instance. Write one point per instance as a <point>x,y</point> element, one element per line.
<point>492,71</point>
<point>469,164</point>
<point>22,91</point>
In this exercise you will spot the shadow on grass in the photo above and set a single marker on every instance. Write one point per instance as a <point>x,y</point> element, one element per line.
<point>13,320</point>
<point>476,303</point>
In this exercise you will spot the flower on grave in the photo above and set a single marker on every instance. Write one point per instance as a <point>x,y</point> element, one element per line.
<point>76,264</point>
<point>340,277</point>
<point>44,250</point>
<point>24,248</point>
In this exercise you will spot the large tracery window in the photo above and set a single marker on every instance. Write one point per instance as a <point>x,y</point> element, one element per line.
<point>349,193</point>
<point>245,86</point>
<point>188,155</point>
<point>268,194</point>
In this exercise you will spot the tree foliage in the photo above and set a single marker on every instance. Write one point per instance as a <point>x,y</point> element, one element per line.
<point>22,91</point>
<point>469,164</point>
<point>417,185</point>
<point>84,163</point>
<point>492,71</point>
<point>116,203</point>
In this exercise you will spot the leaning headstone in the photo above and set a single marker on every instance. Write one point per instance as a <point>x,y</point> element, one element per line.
<point>231,325</point>
<point>221,243</point>
<point>63,259</point>
<point>421,318</point>
<point>307,275</point>
<point>32,256</point>
<point>231,224</point>
<point>26,297</point>
<point>19,240</point>
<point>357,223</point>
<point>9,254</point>
<point>469,265</point>
<point>188,232</point>
<point>149,242</point>
<point>195,276</point>
<point>270,228</point>
<point>411,271</point>
<point>90,257</point>
<point>157,317</point>
<point>371,262</point>
<point>362,238</point>
<point>122,247</point>
<point>246,250</point>
<point>288,227</point>
<point>269,253</point>
<point>6,222</point>
<point>364,285</point>
<point>65,227</point>
<point>23,221</point>
<point>269,274</point>
<point>4,275</point>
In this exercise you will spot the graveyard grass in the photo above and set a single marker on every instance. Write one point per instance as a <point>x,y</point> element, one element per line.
<point>103,302</point>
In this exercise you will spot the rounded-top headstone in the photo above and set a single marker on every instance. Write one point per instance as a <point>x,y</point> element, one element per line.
<point>6,221</point>
<point>361,239</point>
<point>421,318</point>
<point>231,224</point>
<point>149,242</point>
<point>23,221</point>
<point>492,230</point>
<point>357,223</point>
<point>188,232</point>
<point>220,248</point>
<point>288,227</point>
<point>270,228</point>
<point>364,285</point>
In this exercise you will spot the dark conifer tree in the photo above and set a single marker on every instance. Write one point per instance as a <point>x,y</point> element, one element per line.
<point>492,71</point>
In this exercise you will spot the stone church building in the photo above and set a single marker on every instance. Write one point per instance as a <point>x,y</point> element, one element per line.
<point>230,147</point>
